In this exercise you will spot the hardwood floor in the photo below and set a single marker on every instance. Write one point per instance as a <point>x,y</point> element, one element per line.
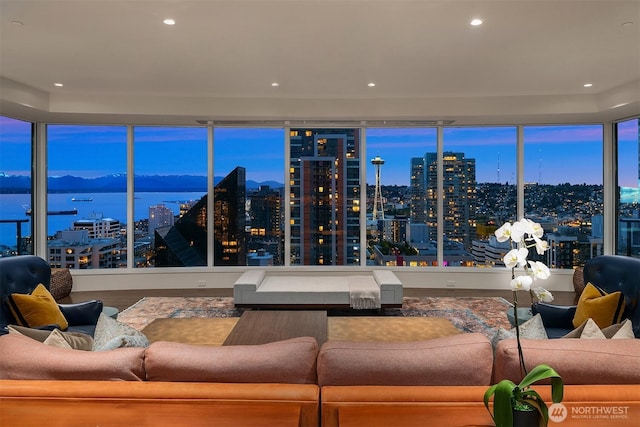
<point>126,298</point>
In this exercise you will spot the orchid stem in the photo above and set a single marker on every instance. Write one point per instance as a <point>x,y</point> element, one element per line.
<point>523,368</point>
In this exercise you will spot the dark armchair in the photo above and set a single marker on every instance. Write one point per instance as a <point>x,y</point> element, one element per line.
<point>611,273</point>
<point>21,274</point>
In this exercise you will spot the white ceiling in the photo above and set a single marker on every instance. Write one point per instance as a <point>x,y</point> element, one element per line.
<point>119,63</point>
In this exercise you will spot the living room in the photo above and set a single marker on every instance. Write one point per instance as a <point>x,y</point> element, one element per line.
<point>548,92</point>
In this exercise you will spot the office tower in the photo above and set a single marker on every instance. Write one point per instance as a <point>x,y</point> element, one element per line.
<point>418,208</point>
<point>325,196</point>
<point>377,162</point>
<point>459,197</point>
<point>185,243</point>
<point>267,231</point>
<point>229,219</point>
<point>159,216</point>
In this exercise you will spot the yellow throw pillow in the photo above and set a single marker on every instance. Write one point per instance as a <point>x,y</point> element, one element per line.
<point>605,309</point>
<point>36,309</point>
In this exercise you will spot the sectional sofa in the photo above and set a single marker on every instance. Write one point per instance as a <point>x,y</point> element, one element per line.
<point>295,383</point>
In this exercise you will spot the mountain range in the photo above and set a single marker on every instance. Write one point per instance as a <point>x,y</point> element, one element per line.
<point>117,183</point>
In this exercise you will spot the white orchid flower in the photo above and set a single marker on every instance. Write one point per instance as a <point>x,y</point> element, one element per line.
<point>521,283</point>
<point>539,270</point>
<point>503,233</point>
<point>518,230</point>
<point>535,229</point>
<point>541,245</point>
<point>542,294</point>
<point>516,257</point>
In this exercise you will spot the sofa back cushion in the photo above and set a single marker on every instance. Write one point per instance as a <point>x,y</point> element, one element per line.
<point>578,361</point>
<point>22,357</point>
<point>464,359</point>
<point>291,361</point>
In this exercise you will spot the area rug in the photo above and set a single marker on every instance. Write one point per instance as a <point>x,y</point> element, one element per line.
<point>467,314</point>
<point>214,331</point>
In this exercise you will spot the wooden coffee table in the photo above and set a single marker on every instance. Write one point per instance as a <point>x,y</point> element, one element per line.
<point>264,326</point>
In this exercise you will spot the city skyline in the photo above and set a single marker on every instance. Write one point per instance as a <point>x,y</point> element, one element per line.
<point>261,151</point>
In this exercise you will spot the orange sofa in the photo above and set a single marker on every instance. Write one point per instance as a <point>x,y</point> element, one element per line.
<point>293,383</point>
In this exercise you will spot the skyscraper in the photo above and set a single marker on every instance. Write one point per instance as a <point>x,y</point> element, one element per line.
<point>459,178</point>
<point>459,194</point>
<point>160,216</point>
<point>325,196</point>
<point>185,243</point>
<point>267,232</point>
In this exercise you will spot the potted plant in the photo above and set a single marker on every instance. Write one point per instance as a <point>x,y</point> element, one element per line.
<point>512,402</point>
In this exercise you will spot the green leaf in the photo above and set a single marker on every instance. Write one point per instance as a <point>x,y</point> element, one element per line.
<point>502,393</point>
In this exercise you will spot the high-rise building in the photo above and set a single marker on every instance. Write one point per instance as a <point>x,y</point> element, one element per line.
<point>325,196</point>
<point>459,196</point>
<point>267,217</point>
<point>185,243</point>
<point>418,183</point>
<point>160,216</point>
<point>229,215</point>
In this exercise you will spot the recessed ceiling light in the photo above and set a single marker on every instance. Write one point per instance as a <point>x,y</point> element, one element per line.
<point>17,23</point>
<point>477,21</point>
<point>275,84</point>
<point>58,84</point>
<point>372,84</point>
<point>588,84</point>
<point>169,21</point>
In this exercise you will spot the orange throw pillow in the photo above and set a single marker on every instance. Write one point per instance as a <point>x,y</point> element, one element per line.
<point>605,309</point>
<point>36,309</point>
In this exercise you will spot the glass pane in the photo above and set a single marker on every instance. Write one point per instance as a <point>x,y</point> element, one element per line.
<point>479,193</point>
<point>324,174</point>
<point>249,191</point>
<point>15,187</point>
<point>170,203</point>
<point>399,225</point>
<point>87,203</point>
<point>564,191</point>
<point>628,209</point>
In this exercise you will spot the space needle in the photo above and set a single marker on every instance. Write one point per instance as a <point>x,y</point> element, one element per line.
<point>377,198</point>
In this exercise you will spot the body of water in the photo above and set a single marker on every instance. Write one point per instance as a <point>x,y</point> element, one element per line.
<point>88,206</point>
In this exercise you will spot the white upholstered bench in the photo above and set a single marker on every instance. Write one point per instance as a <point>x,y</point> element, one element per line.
<point>377,290</point>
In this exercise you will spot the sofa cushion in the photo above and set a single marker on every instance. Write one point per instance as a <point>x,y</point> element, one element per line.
<point>25,358</point>
<point>38,308</point>
<point>464,359</point>
<point>605,309</point>
<point>577,361</point>
<point>291,361</point>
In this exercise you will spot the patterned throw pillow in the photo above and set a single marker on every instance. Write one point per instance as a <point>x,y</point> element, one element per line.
<point>532,329</point>
<point>36,309</point>
<point>605,309</point>
<point>112,334</point>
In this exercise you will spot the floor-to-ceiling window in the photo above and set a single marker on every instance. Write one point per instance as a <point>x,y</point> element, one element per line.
<point>479,193</point>
<point>476,188</point>
<point>324,180</point>
<point>400,226</point>
<point>86,198</point>
<point>170,196</point>
<point>249,196</point>
<point>563,173</point>
<point>15,187</point>
<point>628,197</point>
